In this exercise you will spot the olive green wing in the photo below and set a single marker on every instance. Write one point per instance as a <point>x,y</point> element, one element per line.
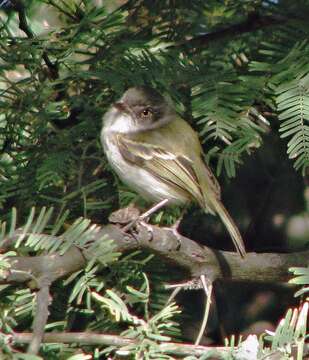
<point>211,180</point>
<point>174,169</point>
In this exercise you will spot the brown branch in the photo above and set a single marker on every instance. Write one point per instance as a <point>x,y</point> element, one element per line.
<point>114,340</point>
<point>41,315</point>
<point>180,349</point>
<point>216,264</point>
<point>24,268</point>
<point>197,259</point>
<point>254,22</point>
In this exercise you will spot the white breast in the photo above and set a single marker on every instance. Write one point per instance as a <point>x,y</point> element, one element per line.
<point>136,177</point>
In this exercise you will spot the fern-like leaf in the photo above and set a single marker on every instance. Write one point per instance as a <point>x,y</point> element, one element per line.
<point>293,104</point>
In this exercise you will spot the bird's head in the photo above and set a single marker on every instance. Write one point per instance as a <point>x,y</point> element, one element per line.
<point>139,109</point>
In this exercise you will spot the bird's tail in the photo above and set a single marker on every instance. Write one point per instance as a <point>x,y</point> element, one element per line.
<point>231,226</point>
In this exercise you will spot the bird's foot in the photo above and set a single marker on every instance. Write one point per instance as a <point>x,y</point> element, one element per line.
<point>142,219</point>
<point>144,228</point>
<point>175,227</point>
<point>125,215</point>
<point>174,230</point>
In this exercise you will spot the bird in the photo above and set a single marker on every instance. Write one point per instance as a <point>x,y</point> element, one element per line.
<point>157,154</point>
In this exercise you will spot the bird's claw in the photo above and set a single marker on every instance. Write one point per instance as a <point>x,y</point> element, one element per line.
<point>145,226</point>
<point>174,230</point>
<point>125,215</point>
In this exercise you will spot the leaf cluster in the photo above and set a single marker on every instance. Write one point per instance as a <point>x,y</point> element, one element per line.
<point>62,63</point>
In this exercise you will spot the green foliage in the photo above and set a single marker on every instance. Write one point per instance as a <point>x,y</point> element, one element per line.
<point>149,331</point>
<point>59,72</point>
<point>291,331</point>
<point>289,84</point>
<point>55,122</point>
<point>38,234</point>
<point>301,278</point>
<point>293,104</point>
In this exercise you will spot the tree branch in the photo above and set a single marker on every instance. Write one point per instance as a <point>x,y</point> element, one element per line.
<point>115,340</point>
<point>43,300</point>
<point>254,22</point>
<point>197,259</point>
<point>168,347</point>
<point>24,268</point>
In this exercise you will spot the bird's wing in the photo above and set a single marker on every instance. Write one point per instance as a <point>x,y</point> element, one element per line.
<point>174,169</point>
<point>212,181</point>
<point>179,171</point>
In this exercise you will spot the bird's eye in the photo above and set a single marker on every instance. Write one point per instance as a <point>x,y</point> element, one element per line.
<point>146,113</point>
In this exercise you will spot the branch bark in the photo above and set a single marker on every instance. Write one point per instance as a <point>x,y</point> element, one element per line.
<point>180,349</point>
<point>115,340</point>
<point>198,260</point>
<point>254,22</point>
<point>41,315</point>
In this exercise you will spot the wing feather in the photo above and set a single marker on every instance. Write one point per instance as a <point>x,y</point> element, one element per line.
<point>213,182</point>
<point>176,170</point>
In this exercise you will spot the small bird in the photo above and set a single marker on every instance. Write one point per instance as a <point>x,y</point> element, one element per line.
<point>157,153</point>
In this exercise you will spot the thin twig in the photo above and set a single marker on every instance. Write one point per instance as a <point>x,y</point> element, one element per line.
<point>152,210</point>
<point>173,294</point>
<point>24,26</point>
<point>146,214</point>
<point>115,340</point>
<point>254,22</point>
<point>208,292</point>
<point>119,341</point>
<point>192,284</point>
